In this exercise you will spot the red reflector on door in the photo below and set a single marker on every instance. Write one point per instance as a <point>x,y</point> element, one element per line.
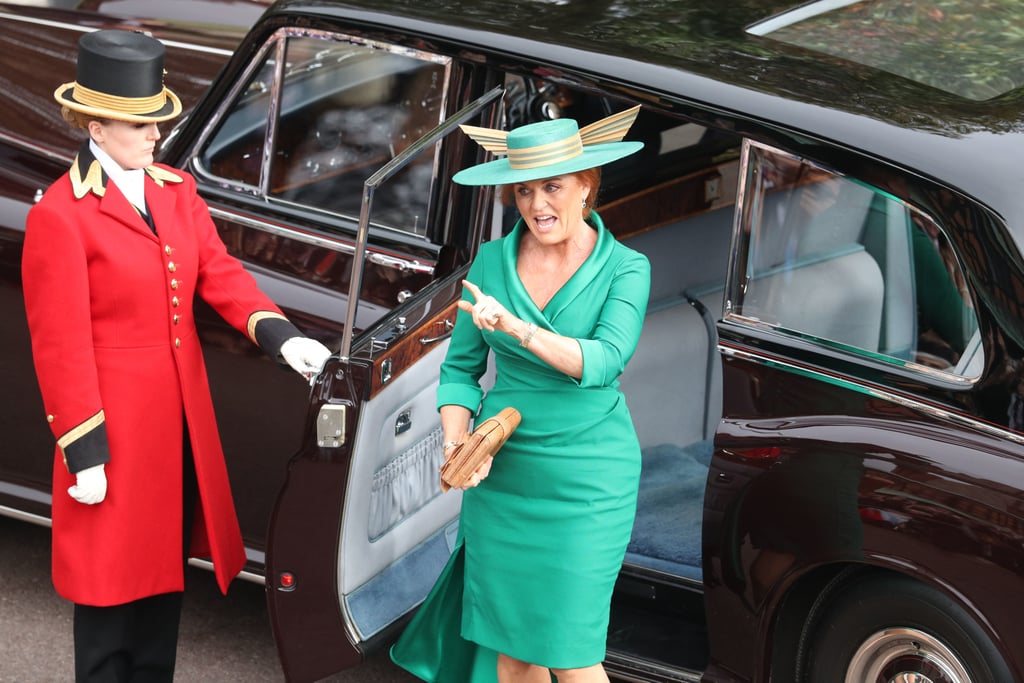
<point>286,581</point>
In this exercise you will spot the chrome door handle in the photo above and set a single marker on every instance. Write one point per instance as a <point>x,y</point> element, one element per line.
<point>448,325</point>
<point>403,423</point>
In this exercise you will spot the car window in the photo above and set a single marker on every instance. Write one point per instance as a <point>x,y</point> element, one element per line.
<point>235,152</point>
<point>684,167</point>
<point>344,108</point>
<point>827,257</point>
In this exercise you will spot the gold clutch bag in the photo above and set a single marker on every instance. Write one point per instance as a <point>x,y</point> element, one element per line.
<point>484,442</point>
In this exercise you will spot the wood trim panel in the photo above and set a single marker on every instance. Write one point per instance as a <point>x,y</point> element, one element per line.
<point>672,201</point>
<point>404,354</point>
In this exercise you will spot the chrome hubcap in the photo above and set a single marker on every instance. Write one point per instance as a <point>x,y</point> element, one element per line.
<point>905,655</point>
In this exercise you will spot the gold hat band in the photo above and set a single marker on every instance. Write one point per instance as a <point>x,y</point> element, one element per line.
<point>124,105</point>
<point>544,155</point>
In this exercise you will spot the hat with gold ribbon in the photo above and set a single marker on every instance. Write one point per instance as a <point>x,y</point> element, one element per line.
<point>548,148</point>
<point>120,75</point>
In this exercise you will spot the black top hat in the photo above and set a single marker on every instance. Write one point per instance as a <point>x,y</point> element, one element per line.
<point>120,75</point>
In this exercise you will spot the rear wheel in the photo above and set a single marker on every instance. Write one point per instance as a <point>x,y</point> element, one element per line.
<point>894,629</point>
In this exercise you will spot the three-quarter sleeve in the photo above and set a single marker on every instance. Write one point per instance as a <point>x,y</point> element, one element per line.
<point>617,332</point>
<point>466,361</point>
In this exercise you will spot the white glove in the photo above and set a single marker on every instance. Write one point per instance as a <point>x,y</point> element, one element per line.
<point>90,486</point>
<point>306,356</point>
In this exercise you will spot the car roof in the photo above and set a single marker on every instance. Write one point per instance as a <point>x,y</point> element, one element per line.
<point>699,51</point>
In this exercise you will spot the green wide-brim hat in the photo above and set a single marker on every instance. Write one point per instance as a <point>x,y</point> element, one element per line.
<point>120,75</point>
<point>548,148</point>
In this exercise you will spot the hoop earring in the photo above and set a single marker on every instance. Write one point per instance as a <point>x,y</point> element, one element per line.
<point>584,205</point>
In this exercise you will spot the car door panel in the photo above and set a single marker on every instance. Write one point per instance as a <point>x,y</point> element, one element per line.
<point>394,529</point>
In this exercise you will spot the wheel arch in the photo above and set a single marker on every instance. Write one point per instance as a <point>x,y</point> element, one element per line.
<point>803,603</point>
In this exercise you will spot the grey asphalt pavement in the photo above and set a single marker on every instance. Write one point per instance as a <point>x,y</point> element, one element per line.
<point>223,639</point>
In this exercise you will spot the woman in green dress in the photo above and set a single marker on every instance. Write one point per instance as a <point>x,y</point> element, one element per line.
<point>544,526</point>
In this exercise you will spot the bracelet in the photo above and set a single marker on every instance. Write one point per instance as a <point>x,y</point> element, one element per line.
<point>531,329</point>
<point>450,444</point>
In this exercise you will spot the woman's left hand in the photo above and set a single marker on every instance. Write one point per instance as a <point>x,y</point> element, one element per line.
<point>488,313</point>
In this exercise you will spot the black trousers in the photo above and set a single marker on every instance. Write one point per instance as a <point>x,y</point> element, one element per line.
<point>132,643</point>
<point>136,642</point>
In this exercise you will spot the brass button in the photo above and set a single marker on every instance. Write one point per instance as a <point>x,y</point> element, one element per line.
<point>176,318</point>
<point>171,267</point>
<point>49,418</point>
<point>175,301</point>
<point>177,342</point>
<point>168,250</point>
<point>174,283</point>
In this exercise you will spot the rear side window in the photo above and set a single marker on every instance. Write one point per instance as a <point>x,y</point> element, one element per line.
<point>826,257</point>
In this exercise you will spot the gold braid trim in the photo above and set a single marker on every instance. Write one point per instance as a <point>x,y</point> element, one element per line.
<point>124,105</point>
<point>161,175</point>
<point>255,320</point>
<point>77,432</point>
<point>93,181</point>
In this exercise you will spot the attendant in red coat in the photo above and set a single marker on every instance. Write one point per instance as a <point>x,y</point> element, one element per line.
<point>115,254</point>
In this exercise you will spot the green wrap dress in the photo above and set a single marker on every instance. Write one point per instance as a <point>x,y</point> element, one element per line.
<point>542,538</point>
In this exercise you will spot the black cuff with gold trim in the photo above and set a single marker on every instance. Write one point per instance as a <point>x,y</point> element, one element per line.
<point>271,333</point>
<point>88,450</point>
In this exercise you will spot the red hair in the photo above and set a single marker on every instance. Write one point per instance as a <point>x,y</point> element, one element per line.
<point>588,176</point>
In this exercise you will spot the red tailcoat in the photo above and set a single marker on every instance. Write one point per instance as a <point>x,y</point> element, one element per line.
<point>119,364</point>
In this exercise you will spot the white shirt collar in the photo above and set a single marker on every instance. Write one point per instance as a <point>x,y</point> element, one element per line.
<point>131,183</point>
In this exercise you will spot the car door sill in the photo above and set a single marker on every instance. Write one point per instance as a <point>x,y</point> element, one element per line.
<point>636,670</point>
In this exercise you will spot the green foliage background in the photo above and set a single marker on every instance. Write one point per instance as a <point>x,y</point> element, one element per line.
<point>971,48</point>
<point>976,43</point>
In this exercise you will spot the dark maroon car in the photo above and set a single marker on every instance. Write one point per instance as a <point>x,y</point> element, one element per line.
<point>828,386</point>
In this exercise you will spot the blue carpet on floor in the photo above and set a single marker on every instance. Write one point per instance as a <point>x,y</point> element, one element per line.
<point>667,531</point>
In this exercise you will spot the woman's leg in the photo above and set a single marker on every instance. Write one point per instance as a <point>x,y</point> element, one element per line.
<point>590,674</point>
<point>516,671</point>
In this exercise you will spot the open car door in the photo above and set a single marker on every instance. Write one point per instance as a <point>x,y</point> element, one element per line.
<point>360,530</point>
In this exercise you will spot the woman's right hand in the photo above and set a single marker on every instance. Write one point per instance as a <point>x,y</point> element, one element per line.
<point>480,474</point>
<point>488,313</point>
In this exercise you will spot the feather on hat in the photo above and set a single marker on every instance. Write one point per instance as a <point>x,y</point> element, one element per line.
<point>548,148</point>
